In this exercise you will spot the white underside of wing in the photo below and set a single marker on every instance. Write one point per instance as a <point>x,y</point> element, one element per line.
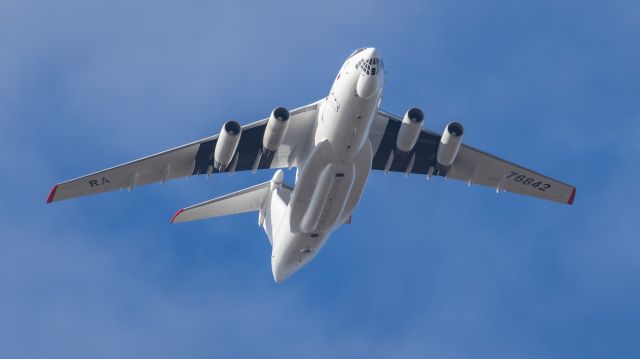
<point>477,167</point>
<point>298,140</point>
<point>180,161</point>
<point>160,167</point>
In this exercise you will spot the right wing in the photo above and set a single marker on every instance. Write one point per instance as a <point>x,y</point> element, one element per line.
<point>478,167</point>
<point>195,158</point>
<point>471,165</point>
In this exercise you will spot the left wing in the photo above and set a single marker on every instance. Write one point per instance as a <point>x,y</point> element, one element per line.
<point>471,165</point>
<point>195,158</point>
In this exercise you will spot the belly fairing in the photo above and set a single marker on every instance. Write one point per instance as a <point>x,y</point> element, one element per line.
<point>328,198</point>
<point>326,193</point>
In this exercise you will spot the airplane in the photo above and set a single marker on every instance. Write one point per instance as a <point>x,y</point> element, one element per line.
<point>333,143</point>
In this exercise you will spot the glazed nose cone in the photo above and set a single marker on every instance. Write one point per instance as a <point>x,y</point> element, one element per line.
<point>369,84</point>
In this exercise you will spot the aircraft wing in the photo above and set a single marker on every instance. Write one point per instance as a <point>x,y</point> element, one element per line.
<point>471,165</point>
<point>195,159</point>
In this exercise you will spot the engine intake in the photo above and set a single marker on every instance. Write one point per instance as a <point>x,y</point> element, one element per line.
<point>226,145</point>
<point>409,130</point>
<point>275,131</point>
<point>450,144</point>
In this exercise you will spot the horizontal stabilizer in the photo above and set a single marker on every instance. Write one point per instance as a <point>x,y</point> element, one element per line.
<point>247,200</point>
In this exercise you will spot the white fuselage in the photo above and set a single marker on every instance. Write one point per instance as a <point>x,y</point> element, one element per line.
<point>333,175</point>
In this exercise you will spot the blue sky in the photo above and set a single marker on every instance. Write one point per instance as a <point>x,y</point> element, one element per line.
<point>426,269</point>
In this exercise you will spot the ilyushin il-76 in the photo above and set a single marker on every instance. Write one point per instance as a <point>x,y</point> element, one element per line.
<point>334,144</point>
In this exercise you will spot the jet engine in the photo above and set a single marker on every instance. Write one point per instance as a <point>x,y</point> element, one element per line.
<point>449,144</point>
<point>275,130</point>
<point>409,130</point>
<point>226,145</point>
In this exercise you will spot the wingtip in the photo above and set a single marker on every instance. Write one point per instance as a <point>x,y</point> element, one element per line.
<point>176,215</point>
<point>52,194</point>
<point>571,198</point>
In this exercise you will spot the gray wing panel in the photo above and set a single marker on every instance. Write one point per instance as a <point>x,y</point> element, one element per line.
<point>291,151</point>
<point>385,132</point>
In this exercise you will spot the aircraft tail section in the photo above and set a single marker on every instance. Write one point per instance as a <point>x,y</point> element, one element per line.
<point>247,200</point>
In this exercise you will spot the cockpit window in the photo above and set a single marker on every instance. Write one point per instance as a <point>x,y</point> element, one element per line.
<point>355,52</point>
<point>371,66</point>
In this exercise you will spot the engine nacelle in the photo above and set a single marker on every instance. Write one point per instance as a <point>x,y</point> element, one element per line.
<point>410,130</point>
<point>226,145</point>
<point>276,130</point>
<point>449,144</point>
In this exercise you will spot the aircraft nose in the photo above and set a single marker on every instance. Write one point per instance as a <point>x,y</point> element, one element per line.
<point>371,52</point>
